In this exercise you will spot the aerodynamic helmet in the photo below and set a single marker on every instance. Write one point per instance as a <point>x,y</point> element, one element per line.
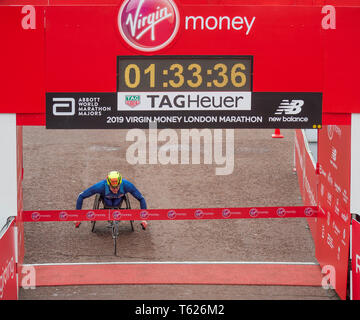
<point>114,179</point>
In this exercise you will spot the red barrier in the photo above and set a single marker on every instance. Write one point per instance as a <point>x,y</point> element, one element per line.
<point>8,281</point>
<point>333,223</point>
<point>355,260</point>
<point>170,214</point>
<point>307,176</point>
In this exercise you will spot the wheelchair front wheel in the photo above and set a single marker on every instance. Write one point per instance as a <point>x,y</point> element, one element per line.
<point>96,206</point>
<point>115,234</point>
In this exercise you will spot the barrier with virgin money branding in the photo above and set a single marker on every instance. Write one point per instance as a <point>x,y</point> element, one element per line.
<point>333,226</point>
<point>306,173</point>
<point>8,280</point>
<point>170,214</point>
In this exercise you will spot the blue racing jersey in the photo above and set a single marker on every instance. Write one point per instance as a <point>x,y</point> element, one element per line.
<point>111,199</point>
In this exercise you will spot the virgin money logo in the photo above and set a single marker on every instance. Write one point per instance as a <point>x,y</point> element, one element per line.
<point>253,212</point>
<point>171,214</point>
<point>281,212</point>
<point>116,214</point>
<point>90,215</point>
<point>7,272</point>
<point>226,213</point>
<point>63,215</point>
<point>148,25</point>
<point>144,214</point>
<point>35,216</point>
<point>308,212</point>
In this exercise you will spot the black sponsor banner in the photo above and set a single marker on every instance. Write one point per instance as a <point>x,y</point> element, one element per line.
<point>100,111</point>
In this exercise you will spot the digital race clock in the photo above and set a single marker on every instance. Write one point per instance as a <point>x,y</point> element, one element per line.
<point>184,73</point>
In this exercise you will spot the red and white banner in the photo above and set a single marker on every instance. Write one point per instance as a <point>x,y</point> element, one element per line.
<point>333,227</point>
<point>170,214</point>
<point>355,254</point>
<point>8,281</point>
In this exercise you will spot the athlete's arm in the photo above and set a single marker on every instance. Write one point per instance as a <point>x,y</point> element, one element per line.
<point>136,194</point>
<point>96,188</point>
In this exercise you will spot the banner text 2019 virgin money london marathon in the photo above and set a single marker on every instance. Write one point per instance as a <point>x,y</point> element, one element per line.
<point>283,110</point>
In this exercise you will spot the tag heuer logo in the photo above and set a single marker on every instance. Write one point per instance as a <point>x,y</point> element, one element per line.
<point>132,101</point>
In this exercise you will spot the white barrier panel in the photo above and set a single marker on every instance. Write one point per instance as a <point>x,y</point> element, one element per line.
<point>8,176</point>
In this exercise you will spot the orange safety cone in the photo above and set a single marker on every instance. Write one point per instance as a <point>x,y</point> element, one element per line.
<point>277,134</point>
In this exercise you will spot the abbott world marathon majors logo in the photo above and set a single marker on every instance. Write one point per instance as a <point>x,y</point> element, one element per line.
<point>148,25</point>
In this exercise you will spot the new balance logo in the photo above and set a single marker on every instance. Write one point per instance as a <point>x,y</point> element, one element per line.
<point>289,107</point>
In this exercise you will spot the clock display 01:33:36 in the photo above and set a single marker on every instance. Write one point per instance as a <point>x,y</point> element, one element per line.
<point>193,73</point>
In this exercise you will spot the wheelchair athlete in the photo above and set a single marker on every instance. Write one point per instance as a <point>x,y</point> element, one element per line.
<point>112,190</point>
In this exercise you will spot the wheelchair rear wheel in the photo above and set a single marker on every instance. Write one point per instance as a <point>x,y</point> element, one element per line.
<point>128,206</point>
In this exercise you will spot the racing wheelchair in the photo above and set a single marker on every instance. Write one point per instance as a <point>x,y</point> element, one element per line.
<point>114,224</point>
